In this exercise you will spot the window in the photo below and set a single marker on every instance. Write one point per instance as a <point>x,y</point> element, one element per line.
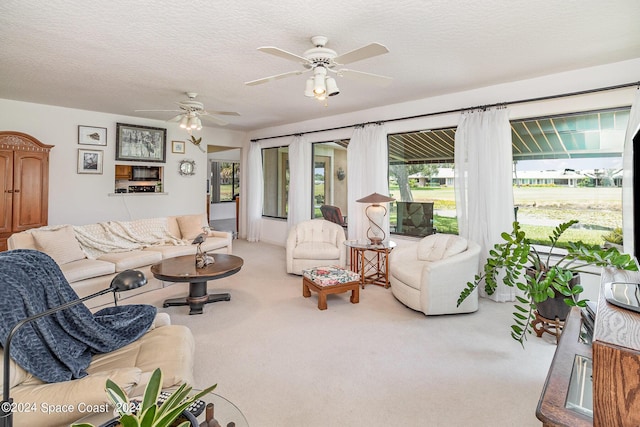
<point>421,181</point>
<point>569,167</point>
<point>275,167</point>
<point>225,181</point>
<point>330,176</point>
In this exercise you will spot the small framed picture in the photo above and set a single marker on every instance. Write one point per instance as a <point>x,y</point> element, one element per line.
<point>90,161</point>
<point>177,147</point>
<point>90,135</point>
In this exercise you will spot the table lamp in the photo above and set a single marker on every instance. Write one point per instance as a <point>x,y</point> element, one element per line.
<point>376,213</point>
<point>124,281</point>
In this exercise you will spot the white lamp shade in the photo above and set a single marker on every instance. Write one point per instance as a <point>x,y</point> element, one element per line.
<point>318,87</point>
<point>309,89</point>
<point>183,122</point>
<point>332,87</point>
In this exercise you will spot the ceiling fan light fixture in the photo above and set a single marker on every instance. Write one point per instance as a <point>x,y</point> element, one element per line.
<point>309,89</point>
<point>332,87</point>
<point>198,123</point>
<point>318,86</point>
<point>193,122</point>
<point>184,121</point>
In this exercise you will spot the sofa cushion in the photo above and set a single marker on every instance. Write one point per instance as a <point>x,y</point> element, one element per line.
<point>440,246</point>
<point>60,244</point>
<point>316,250</point>
<point>191,225</point>
<point>131,259</point>
<point>408,272</point>
<point>76,271</point>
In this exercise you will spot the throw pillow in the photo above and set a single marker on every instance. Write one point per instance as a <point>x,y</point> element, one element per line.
<point>191,225</point>
<point>59,244</point>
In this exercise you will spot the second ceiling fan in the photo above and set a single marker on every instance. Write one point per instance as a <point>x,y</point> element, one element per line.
<point>323,62</point>
<point>191,111</point>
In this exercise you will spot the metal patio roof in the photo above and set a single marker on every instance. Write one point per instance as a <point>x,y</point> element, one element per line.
<point>592,134</point>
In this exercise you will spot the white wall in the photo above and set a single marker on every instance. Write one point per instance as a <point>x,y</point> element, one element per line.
<point>274,231</point>
<point>82,199</point>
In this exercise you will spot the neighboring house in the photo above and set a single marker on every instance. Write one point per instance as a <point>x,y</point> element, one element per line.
<point>567,178</point>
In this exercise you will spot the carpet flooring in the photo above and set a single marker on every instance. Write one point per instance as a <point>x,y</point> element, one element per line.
<point>285,363</point>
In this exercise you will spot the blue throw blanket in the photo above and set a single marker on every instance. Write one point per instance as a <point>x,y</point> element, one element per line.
<point>58,347</point>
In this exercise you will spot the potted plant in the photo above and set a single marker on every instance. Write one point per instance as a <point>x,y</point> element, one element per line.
<point>149,413</point>
<point>547,276</point>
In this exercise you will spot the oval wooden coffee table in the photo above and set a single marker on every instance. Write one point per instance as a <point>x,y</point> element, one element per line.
<point>183,269</point>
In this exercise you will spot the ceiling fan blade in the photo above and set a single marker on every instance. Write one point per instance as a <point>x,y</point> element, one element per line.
<point>176,118</point>
<point>284,54</point>
<point>215,120</point>
<point>375,79</point>
<point>156,111</point>
<point>276,77</point>
<point>221,113</point>
<point>368,51</point>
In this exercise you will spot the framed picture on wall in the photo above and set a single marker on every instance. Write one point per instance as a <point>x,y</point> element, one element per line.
<point>140,143</point>
<point>177,147</point>
<point>90,161</point>
<point>91,135</point>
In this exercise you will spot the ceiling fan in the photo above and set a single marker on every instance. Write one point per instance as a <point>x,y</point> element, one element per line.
<point>191,111</point>
<point>322,61</point>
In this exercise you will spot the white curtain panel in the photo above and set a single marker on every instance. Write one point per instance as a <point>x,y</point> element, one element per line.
<point>484,182</point>
<point>255,189</point>
<point>633,127</point>
<point>299,198</point>
<point>367,164</point>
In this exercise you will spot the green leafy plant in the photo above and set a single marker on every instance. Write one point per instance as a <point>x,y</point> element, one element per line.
<point>614,236</point>
<point>149,413</point>
<point>517,263</point>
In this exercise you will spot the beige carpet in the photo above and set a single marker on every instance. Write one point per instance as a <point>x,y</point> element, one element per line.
<point>285,363</point>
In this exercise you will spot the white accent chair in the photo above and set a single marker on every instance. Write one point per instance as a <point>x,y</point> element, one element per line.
<point>315,243</point>
<point>429,275</point>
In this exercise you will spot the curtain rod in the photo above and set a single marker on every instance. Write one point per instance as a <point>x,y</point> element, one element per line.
<point>459,110</point>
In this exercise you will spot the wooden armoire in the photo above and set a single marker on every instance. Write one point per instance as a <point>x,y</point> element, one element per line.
<point>24,181</point>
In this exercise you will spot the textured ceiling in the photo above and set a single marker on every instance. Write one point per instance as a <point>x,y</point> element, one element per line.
<point>119,56</point>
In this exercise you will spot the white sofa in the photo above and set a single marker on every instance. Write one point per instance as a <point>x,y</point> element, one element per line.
<point>429,275</point>
<point>315,243</point>
<point>130,367</point>
<point>91,255</point>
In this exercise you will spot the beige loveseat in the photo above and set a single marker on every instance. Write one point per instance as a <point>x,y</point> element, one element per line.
<point>91,255</point>
<point>59,404</point>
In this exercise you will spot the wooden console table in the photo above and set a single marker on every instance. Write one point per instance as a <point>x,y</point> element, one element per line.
<point>552,407</point>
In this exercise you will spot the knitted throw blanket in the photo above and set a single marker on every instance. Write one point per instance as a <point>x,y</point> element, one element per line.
<point>58,347</point>
<point>121,236</point>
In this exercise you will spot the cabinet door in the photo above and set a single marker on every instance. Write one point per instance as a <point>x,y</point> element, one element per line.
<point>6,186</point>
<point>30,190</point>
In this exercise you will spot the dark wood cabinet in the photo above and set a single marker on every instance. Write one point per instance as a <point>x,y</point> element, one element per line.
<point>24,181</point>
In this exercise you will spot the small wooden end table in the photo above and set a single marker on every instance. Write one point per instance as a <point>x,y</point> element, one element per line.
<point>183,269</point>
<point>373,270</point>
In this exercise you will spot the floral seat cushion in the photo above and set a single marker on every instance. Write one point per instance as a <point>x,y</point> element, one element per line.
<point>330,276</point>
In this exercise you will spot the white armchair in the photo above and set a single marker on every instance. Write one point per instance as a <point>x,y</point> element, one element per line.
<point>428,276</point>
<point>315,243</point>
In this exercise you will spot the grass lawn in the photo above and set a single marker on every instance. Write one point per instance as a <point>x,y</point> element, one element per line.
<point>540,209</point>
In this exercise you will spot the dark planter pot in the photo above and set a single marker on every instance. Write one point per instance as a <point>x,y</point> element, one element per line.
<point>555,307</point>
